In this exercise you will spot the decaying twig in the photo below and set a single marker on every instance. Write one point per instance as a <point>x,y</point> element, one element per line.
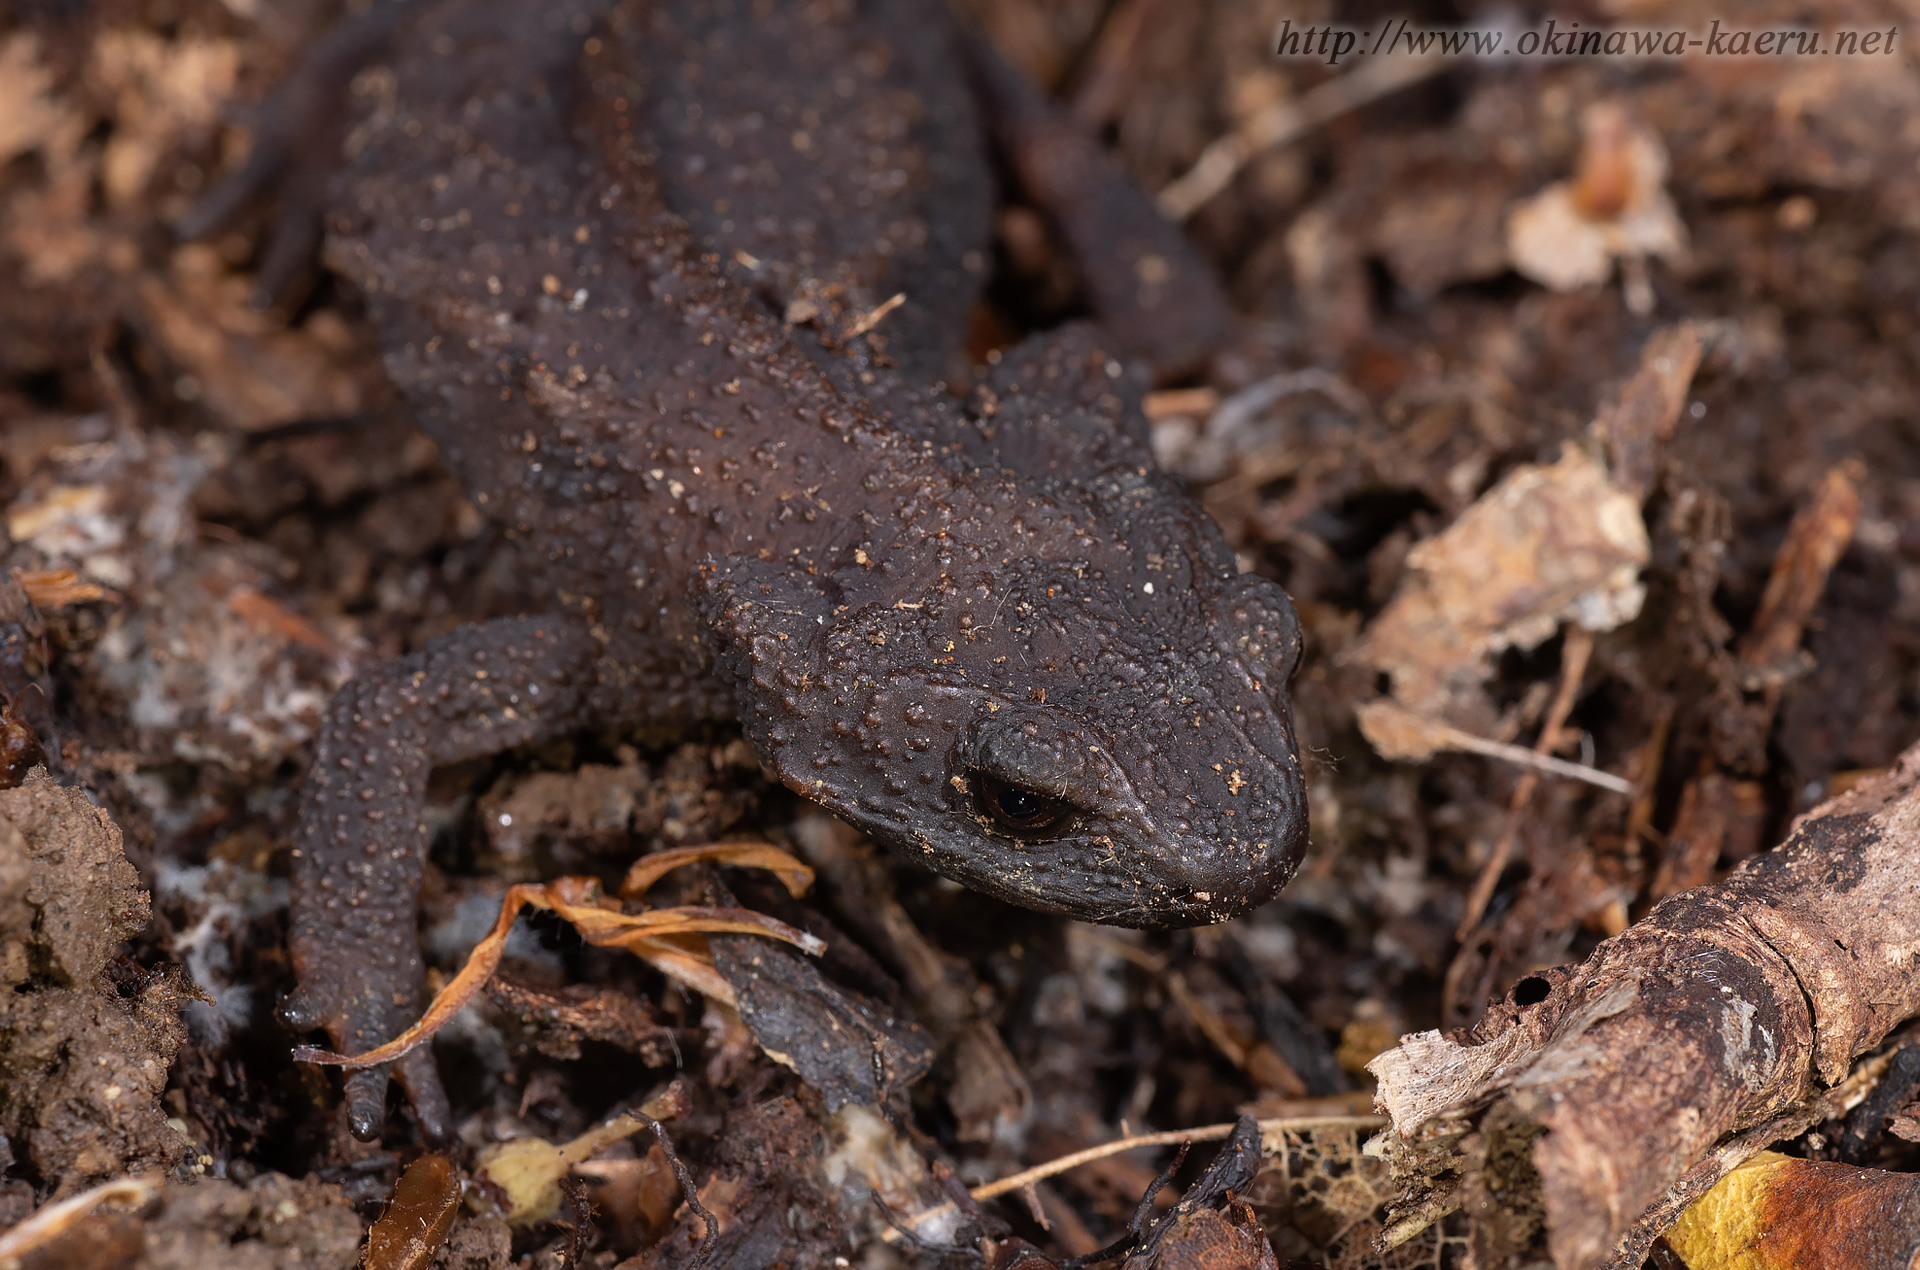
<point>1205,1133</point>
<point>1592,1090</point>
<point>1288,121</point>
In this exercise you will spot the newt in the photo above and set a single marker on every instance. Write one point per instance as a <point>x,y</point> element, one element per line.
<point>679,292</point>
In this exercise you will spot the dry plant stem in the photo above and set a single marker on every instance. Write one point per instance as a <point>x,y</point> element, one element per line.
<point>1574,1114</point>
<point>1575,651</point>
<point>1288,121</point>
<point>1406,736</point>
<point>1540,762</point>
<point>1172,1137</point>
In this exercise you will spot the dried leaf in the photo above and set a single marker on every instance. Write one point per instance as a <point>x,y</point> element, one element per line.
<point>1404,736</point>
<point>1779,1213</point>
<point>520,1179</point>
<point>1545,545</point>
<point>600,921</point>
<point>649,869</point>
<point>57,588</point>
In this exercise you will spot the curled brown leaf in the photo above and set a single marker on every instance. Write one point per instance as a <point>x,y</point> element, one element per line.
<point>653,935</point>
<point>649,869</point>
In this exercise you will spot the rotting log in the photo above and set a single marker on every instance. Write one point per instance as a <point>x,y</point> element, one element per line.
<point>1591,1099</point>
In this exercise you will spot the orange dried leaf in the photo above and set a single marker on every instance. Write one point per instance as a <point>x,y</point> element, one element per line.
<point>747,855</point>
<point>480,966</point>
<point>269,615</point>
<point>600,922</point>
<point>619,930</point>
<point>57,588</point>
<point>690,967</point>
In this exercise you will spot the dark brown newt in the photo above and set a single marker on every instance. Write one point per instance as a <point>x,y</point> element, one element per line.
<point>632,271</point>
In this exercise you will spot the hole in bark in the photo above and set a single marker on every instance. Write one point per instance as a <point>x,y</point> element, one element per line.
<point>1531,990</point>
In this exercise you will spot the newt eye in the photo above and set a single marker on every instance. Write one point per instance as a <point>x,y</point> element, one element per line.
<point>1023,811</point>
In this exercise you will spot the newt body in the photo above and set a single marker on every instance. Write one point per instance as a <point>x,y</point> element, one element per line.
<point>631,271</point>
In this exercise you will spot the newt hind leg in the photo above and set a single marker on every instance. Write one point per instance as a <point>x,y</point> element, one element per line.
<point>360,847</point>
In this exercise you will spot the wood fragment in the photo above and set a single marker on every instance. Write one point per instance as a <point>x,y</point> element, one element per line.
<point>1818,535</point>
<point>57,588</point>
<point>270,616</point>
<point>1592,1090</point>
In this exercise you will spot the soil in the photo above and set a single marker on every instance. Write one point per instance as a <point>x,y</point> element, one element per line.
<point>215,512</point>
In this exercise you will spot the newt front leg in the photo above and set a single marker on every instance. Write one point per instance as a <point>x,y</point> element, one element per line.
<point>360,846</point>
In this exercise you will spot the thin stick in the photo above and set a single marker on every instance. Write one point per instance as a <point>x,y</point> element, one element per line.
<point>1539,762</point>
<point>1172,1137</point>
<point>1573,665</point>
<point>872,319</point>
<point>1288,121</point>
<point>1404,736</point>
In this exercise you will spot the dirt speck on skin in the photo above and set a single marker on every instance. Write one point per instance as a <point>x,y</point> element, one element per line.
<point>84,1046</point>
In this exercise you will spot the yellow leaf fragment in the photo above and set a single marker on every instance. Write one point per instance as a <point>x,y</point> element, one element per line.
<point>519,1180</point>
<point>1779,1213</point>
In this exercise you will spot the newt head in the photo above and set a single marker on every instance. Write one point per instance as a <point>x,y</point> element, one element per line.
<point>1112,749</point>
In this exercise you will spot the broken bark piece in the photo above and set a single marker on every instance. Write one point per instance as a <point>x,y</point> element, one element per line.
<point>1227,1238</point>
<point>1591,1090</point>
<point>1778,1213</point>
<point>849,1048</point>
